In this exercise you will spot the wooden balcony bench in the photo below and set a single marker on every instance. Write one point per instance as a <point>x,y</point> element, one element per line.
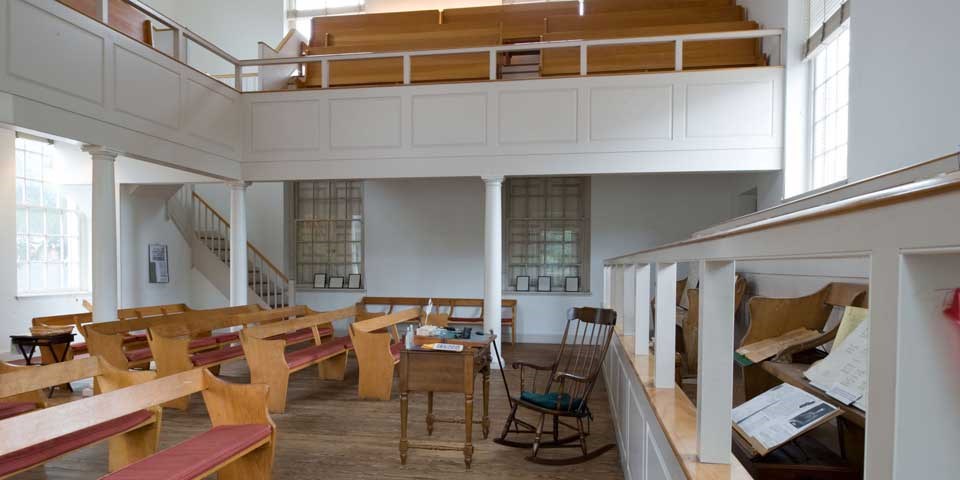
<point>133,434</point>
<point>272,364</point>
<point>240,444</point>
<point>378,352</point>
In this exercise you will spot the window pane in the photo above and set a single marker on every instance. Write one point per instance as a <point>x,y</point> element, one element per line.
<point>35,249</point>
<point>34,193</point>
<point>54,249</point>
<point>73,224</point>
<point>20,159</point>
<point>21,220</point>
<point>54,220</point>
<point>54,276</point>
<point>329,229</point>
<point>21,248</point>
<point>21,191</point>
<point>33,166</point>
<point>23,275</point>
<point>35,221</point>
<point>36,277</point>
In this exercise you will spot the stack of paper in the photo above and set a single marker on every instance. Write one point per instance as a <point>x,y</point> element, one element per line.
<point>844,373</point>
<point>780,415</point>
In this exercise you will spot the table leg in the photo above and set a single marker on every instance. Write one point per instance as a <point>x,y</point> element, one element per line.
<point>403,428</point>
<point>468,426</point>
<point>27,357</point>
<point>430,413</point>
<point>58,359</point>
<point>485,423</point>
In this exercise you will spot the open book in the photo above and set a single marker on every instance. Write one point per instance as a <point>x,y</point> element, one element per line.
<point>779,415</point>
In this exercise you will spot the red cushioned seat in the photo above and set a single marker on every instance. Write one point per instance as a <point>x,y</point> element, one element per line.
<point>79,347</point>
<point>227,337</point>
<point>195,456</point>
<point>344,342</point>
<point>301,335</point>
<point>304,356</point>
<point>135,337</point>
<point>202,342</point>
<point>395,351</point>
<point>139,354</point>
<point>216,356</point>
<point>41,452</point>
<point>12,409</point>
<point>325,331</point>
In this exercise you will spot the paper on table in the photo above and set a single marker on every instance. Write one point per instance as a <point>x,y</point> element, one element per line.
<point>852,318</point>
<point>844,373</point>
<point>780,414</point>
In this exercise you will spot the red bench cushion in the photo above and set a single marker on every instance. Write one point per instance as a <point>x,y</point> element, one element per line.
<point>42,452</point>
<point>216,356</point>
<point>202,342</point>
<point>195,456</point>
<point>344,342</point>
<point>304,356</point>
<point>135,337</point>
<point>227,337</point>
<point>12,409</point>
<point>139,354</point>
<point>78,347</point>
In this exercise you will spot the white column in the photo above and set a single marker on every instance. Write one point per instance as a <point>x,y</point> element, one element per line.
<point>629,320</point>
<point>642,309</point>
<point>884,389</point>
<point>607,293</point>
<point>238,243</point>
<point>666,318</point>
<point>103,219</point>
<point>493,259</point>
<point>715,372</point>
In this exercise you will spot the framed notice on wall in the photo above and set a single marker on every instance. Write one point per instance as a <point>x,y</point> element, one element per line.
<point>159,266</point>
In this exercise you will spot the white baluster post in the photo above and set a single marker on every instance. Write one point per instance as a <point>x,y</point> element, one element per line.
<point>715,371</point>
<point>666,319</point>
<point>642,309</point>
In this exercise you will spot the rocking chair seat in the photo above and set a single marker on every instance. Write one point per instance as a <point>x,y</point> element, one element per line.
<point>551,400</point>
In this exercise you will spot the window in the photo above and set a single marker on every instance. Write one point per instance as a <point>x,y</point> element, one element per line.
<point>299,12</point>
<point>48,225</point>
<point>831,87</point>
<point>328,217</point>
<point>548,230</point>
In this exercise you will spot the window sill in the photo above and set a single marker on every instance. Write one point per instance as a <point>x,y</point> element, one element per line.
<point>327,290</point>
<point>28,296</point>
<point>548,294</point>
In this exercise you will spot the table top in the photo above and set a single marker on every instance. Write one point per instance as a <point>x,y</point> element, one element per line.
<point>58,338</point>
<point>477,340</point>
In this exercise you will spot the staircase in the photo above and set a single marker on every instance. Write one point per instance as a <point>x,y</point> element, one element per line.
<point>209,235</point>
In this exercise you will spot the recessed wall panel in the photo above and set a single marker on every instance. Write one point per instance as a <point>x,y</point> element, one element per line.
<point>365,122</point>
<point>532,116</point>
<point>146,89</point>
<point>740,109</point>
<point>211,115</point>
<point>280,126</point>
<point>634,113</point>
<point>449,119</point>
<point>656,468</point>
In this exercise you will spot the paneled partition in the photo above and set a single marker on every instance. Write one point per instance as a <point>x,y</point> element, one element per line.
<point>914,395</point>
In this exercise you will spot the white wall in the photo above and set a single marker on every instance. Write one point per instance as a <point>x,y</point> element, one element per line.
<point>265,215</point>
<point>903,84</point>
<point>425,237</point>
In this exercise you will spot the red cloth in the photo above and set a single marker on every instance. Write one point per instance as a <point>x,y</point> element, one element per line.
<point>191,458</point>
<point>216,356</point>
<point>953,311</point>
<point>306,355</point>
<point>44,451</point>
<point>139,354</point>
<point>12,409</point>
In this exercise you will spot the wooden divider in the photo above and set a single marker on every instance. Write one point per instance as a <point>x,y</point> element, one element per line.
<point>377,355</point>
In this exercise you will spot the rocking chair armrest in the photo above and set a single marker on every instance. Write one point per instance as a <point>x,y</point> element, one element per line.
<point>517,365</point>
<point>563,376</point>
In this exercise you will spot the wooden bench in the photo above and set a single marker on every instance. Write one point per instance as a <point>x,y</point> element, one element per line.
<point>652,57</point>
<point>26,401</point>
<point>272,364</point>
<point>378,352</point>
<point>172,344</point>
<point>106,339</point>
<point>644,18</point>
<point>518,23</point>
<point>321,26</point>
<point>607,6</point>
<point>38,436</point>
<point>432,68</point>
<point>240,444</point>
<point>462,311</point>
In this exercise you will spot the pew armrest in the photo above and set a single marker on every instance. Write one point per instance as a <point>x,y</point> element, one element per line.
<point>234,403</point>
<point>112,378</point>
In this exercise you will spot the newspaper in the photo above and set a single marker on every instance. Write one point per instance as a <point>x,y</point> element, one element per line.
<point>779,415</point>
<point>844,373</point>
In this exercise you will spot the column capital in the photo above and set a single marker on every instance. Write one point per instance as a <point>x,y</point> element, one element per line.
<point>238,185</point>
<point>101,152</point>
<point>492,179</point>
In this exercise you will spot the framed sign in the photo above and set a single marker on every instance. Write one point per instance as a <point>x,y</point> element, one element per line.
<point>571,284</point>
<point>353,281</point>
<point>336,282</point>
<point>543,284</point>
<point>319,280</point>
<point>523,283</point>
<point>158,263</point>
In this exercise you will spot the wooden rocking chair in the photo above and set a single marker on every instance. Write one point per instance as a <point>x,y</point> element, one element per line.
<point>571,378</point>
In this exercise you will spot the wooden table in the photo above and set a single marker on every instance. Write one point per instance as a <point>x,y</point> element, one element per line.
<point>39,341</point>
<point>430,371</point>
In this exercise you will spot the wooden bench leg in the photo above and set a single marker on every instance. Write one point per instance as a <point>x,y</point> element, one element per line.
<point>256,465</point>
<point>333,368</point>
<point>133,446</point>
<point>179,404</point>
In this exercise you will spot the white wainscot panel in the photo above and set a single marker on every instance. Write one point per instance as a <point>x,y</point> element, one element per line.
<point>285,125</point>
<point>734,109</point>
<point>634,113</point>
<point>51,52</point>
<point>635,437</point>
<point>134,75</point>
<point>656,467</point>
<point>211,115</point>
<point>530,116</point>
<point>365,122</point>
<point>449,119</point>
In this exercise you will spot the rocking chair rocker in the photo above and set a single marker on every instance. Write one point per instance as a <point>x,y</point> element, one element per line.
<point>571,378</point>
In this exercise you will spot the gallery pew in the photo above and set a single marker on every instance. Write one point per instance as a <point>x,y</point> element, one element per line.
<point>690,330</point>
<point>644,18</point>
<point>321,26</point>
<point>240,444</point>
<point>518,22</point>
<point>461,311</point>
<point>652,57</point>
<point>22,402</point>
<point>272,364</point>
<point>133,434</point>
<point>607,6</point>
<point>171,343</point>
<point>377,354</point>
<point>106,339</point>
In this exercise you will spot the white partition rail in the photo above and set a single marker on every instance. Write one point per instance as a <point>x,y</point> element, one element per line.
<point>911,237</point>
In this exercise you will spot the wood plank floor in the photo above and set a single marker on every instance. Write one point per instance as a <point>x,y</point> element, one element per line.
<point>327,433</point>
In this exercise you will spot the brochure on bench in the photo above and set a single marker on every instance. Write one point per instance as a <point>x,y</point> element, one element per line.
<point>779,415</point>
<point>844,373</point>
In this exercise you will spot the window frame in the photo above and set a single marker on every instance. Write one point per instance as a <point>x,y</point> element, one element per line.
<point>509,280</point>
<point>810,182</point>
<point>294,239</point>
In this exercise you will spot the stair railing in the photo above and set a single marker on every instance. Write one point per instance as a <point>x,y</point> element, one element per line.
<point>263,277</point>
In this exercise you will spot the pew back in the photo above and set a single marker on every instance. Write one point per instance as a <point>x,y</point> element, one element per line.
<point>644,18</point>
<point>520,22</point>
<point>607,6</point>
<point>321,26</point>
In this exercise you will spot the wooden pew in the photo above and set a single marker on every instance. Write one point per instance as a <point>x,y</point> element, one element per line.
<point>36,437</point>
<point>171,343</point>
<point>433,68</point>
<point>644,18</point>
<point>652,57</point>
<point>271,364</point>
<point>106,339</point>
<point>23,402</point>
<point>607,6</point>
<point>377,356</point>
<point>240,444</point>
<point>321,26</point>
<point>690,331</point>
<point>457,309</point>
<point>522,22</point>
